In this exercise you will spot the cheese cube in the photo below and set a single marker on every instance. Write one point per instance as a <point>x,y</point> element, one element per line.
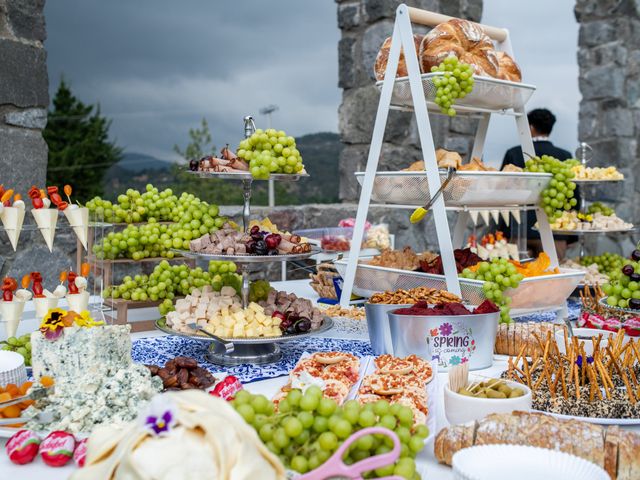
<point>195,293</point>
<point>238,330</point>
<point>228,291</point>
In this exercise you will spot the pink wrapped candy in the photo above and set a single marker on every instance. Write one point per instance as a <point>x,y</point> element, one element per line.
<point>57,448</point>
<point>22,447</point>
<point>612,324</point>
<point>227,388</point>
<point>80,454</point>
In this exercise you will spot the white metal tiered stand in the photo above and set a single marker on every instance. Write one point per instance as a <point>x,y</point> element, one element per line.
<point>394,95</point>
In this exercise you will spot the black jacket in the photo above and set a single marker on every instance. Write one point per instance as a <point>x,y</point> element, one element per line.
<point>544,147</point>
<point>514,156</point>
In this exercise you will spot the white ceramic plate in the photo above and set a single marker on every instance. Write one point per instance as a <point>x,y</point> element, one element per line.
<point>505,462</point>
<point>596,420</point>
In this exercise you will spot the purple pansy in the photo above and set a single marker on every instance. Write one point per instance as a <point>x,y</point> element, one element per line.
<point>159,425</point>
<point>160,416</point>
<point>446,329</point>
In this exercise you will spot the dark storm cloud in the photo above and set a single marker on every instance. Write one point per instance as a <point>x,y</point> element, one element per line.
<point>157,67</point>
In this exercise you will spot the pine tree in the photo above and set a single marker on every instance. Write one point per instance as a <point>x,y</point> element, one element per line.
<point>80,152</point>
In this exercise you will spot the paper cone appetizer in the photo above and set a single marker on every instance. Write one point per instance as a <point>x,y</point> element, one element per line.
<point>78,217</point>
<point>43,300</point>
<point>11,314</point>
<point>43,305</point>
<point>12,215</point>
<point>78,297</point>
<point>11,307</point>
<point>46,218</point>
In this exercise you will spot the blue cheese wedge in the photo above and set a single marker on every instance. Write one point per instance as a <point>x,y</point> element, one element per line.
<point>96,381</point>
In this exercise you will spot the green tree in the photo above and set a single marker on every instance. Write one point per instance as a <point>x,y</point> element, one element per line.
<point>80,152</point>
<point>200,143</point>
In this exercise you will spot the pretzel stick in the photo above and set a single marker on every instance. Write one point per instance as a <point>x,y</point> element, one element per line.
<point>635,349</point>
<point>605,378</point>
<point>625,379</point>
<point>596,342</point>
<point>577,381</point>
<point>566,342</point>
<point>564,385</point>
<point>527,373</point>
<point>520,354</point>
<point>594,383</point>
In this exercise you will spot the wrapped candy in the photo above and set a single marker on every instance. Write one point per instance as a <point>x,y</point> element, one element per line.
<point>227,388</point>
<point>22,447</point>
<point>57,448</point>
<point>80,454</point>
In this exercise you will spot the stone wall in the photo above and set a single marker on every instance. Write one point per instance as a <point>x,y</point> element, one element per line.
<point>609,117</point>
<point>365,24</point>
<point>24,99</point>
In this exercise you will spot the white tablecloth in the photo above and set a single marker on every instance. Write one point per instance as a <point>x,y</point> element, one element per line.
<point>426,461</point>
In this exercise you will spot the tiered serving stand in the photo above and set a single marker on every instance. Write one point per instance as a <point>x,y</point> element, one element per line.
<point>584,153</point>
<point>467,192</point>
<point>235,351</point>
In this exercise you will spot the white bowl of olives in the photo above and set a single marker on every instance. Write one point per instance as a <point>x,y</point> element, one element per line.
<point>483,396</point>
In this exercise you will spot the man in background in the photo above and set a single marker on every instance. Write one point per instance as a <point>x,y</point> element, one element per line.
<point>541,123</point>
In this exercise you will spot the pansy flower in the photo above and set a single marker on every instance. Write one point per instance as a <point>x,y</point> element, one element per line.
<point>85,320</point>
<point>160,416</point>
<point>52,324</point>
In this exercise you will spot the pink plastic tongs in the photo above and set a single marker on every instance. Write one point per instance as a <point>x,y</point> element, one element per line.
<point>336,468</point>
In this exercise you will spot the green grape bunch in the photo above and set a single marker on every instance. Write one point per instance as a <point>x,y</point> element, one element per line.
<point>559,196</point>
<point>168,281</point>
<point>599,207</point>
<point>498,275</point>
<point>270,151</point>
<point>456,82</point>
<point>308,428</point>
<point>608,263</point>
<point>21,345</point>
<point>192,219</point>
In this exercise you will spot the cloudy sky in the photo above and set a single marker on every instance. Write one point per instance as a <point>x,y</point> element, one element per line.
<point>157,66</point>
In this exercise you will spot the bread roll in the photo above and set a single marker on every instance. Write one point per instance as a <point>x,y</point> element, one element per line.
<point>383,57</point>
<point>465,40</point>
<point>507,68</point>
<point>613,449</point>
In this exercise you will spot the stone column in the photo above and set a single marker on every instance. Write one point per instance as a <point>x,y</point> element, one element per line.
<point>609,118</point>
<point>365,24</point>
<point>24,94</point>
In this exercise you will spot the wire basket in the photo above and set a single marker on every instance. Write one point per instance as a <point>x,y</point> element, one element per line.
<point>470,189</point>
<point>488,93</point>
<point>533,293</point>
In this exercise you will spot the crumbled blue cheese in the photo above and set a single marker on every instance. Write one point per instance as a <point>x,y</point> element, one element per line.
<point>96,381</point>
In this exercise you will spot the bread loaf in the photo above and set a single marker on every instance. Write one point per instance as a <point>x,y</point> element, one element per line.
<point>507,68</point>
<point>380,66</point>
<point>613,449</point>
<point>465,40</point>
<point>511,337</point>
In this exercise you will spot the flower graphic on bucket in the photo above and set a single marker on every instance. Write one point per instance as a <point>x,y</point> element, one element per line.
<point>446,329</point>
<point>451,343</point>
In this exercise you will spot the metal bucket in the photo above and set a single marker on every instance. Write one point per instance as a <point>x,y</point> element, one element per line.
<point>378,325</point>
<point>447,340</point>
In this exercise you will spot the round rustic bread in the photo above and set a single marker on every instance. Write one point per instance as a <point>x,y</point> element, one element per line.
<point>465,40</point>
<point>383,57</point>
<point>508,69</point>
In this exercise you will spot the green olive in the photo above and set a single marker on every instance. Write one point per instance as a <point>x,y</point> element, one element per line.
<point>464,391</point>
<point>516,392</point>
<point>505,389</point>
<point>494,393</point>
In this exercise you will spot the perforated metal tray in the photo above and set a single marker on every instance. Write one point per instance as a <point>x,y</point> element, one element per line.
<point>470,189</point>
<point>488,93</point>
<point>537,293</point>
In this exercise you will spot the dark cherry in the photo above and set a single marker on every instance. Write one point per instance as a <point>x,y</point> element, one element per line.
<point>255,229</point>
<point>261,248</point>
<point>251,246</point>
<point>193,165</point>
<point>257,236</point>
<point>627,270</point>
<point>303,325</point>
<point>635,255</point>
<point>635,277</point>
<point>634,303</point>
<point>273,241</point>
<point>291,330</point>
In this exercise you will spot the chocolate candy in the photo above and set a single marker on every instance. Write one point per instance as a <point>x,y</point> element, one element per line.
<point>22,447</point>
<point>227,388</point>
<point>80,454</point>
<point>57,448</point>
